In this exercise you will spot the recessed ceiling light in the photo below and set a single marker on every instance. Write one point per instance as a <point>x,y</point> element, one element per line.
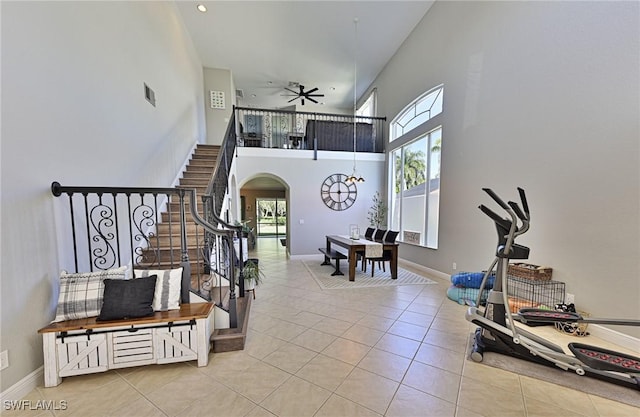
<point>253,95</point>
<point>202,8</point>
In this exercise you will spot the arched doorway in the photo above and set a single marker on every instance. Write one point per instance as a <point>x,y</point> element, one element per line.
<point>264,207</point>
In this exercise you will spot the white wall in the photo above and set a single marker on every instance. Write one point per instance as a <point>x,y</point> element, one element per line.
<point>304,177</point>
<point>542,95</point>
<point>73,110</point>
<point>217,119</point>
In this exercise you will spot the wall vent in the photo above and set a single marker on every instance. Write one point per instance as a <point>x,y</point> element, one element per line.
<point>149,95</point>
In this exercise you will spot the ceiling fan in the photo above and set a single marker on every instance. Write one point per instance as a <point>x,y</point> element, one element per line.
<point>302,95</point>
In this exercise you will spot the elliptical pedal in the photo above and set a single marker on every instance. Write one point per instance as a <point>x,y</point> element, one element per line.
<point>604,359</point>
<point>548,316</point>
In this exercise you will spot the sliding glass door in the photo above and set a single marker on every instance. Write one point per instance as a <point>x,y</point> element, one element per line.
<point>272,216</point>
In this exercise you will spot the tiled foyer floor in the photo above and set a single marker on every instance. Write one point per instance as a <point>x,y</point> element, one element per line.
<point>396,351</point>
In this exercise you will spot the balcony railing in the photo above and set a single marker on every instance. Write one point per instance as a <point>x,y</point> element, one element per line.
<point>265,128</point>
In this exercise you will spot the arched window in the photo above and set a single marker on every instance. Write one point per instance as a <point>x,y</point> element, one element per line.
<point>414,169</point>
<point>419,111</point>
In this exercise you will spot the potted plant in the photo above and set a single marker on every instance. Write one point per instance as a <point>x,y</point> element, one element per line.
<point>377,215</point>
<point>252,275</point>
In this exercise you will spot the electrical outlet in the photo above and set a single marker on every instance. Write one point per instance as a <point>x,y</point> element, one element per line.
<point>570,299</point>
<point>4,359</point>
<point>455,266</point>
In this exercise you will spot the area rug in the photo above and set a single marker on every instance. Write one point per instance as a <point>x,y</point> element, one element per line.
<point>558,376</point>
<point>322,275</point>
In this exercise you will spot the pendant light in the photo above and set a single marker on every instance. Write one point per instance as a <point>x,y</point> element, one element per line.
<point>354,177</point>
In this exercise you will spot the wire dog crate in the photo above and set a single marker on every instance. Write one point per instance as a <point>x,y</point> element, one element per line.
<point>524,292</point>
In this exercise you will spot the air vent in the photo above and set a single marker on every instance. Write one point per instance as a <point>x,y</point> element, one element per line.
<point>149,95</point>
<point>239,93</point>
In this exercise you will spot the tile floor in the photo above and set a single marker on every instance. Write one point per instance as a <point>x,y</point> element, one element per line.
<point>397,351</point>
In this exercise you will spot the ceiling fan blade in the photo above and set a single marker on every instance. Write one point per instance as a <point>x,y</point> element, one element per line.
<point>314,95</point>
<point>311,91</point>
<point>293,91</point>
<point>310,99</point>
<point>295,98</point>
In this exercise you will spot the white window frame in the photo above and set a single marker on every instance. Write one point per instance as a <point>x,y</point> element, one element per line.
<point>428,122</point>
<point>368,107</point>
<point>414,115</point>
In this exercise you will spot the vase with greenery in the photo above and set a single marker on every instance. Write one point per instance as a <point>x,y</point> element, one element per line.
<point>377,215</point>
<point>252,274</point>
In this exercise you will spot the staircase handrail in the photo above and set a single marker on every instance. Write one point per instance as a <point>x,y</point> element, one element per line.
<point>57,190</point>
<point>213,198</point>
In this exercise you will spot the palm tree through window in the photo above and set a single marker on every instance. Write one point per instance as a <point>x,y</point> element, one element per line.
<point>415,171</point>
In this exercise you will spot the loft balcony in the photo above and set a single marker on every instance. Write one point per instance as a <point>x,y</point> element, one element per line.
<point>282,129</point>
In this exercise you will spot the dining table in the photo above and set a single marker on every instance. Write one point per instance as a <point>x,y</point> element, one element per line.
<point>364,247</point>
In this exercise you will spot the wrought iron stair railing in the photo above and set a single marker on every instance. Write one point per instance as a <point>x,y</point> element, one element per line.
<point>213,204</point>
<point>116,226</point>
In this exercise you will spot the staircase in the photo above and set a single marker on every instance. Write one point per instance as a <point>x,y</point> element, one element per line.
<point>164,250</point>
<point>197,175</point>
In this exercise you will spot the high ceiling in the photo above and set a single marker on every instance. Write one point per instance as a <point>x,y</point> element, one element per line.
<point>268,44</point>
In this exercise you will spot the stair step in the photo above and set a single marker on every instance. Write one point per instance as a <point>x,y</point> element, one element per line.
<point>163,240</point>
<point>227,340</point>
<point>198,175</point>
<point>175,217</point>
<point>205,155</point>
<point>209,162</point>
<point>164,229</point>
<point>197,182</point>
<point>165,256</point>
<point>195,265</point>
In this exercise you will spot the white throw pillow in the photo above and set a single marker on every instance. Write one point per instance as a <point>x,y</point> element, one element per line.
<point>168,287</point>
<point>81,294</point>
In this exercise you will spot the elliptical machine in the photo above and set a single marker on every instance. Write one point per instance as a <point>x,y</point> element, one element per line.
<point>498,331</point>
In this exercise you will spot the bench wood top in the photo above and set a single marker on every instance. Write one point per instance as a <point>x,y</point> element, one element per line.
<point>187,312</point>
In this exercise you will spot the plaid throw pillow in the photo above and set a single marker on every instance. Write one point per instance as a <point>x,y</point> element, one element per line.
<point>81,294</point>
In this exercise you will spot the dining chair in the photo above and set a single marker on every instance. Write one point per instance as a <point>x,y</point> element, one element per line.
<point>389,237</point>
<point>368,234</point>
<point>377,235</point>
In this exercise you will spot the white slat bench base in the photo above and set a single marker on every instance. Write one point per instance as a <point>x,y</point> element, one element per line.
<point>86,346</point>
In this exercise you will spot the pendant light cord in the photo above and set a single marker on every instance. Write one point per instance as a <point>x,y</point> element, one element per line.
<point>355,93</point>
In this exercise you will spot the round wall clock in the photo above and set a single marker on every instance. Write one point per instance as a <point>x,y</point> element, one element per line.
<point>337,193</point>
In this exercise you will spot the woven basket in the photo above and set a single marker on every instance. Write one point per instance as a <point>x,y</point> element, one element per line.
<point>529,271</point>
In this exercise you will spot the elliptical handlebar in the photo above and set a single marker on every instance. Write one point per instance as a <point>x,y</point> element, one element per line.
<point>523,199</point>
<point>513,210</point>
<point>516,209</point>
<point>496,198</point>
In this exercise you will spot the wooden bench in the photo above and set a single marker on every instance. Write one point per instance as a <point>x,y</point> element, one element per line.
<point>333,254</point>
<point>85,346</point>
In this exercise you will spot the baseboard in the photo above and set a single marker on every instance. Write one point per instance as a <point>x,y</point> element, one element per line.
<point>23,387</point>
<point>426,270</point>
<point>615,337</point>
<point>608,335</point>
